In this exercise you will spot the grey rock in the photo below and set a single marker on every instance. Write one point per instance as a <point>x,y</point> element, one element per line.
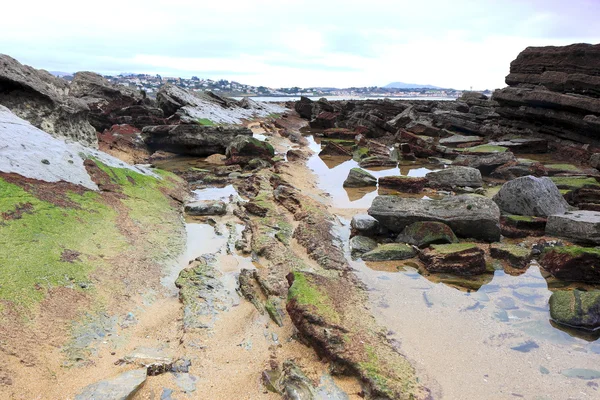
<point>389,252</point>
<point>364,223</point>
<point>485,163</point>
<point>43,100</point>
<point>361,244</point>
<point>196,140</point>
<point>459,139</point>
<point>595,160</point>
<point>468,215</point>
<point>529,195</point>
<point>578,226</point>
<point>121,387</point>
<point>206,207</point>
<point>455,176</point>
<point>359,178</point>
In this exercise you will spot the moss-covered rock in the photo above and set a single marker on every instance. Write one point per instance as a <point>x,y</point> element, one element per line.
<point>572,263</point>
<point>389,252</point>
<point>422,234</point>
<point>456,258</point>
<point>361,244</point>
<point>574,182</point>
<point>358,177</point>
<point>517,256</point>
<point>576,308</point>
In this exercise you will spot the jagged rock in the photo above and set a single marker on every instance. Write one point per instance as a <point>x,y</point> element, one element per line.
<point>190,139</point>
<point>359,178</point>
<point>333,149</point>
<point>361,244</point>
<point>304,107</point>
<point>124,142</point>
<point>122,387</point>
<point>206,207</point>
<point>422,234</point>
<point>405,184</point>
<point>572,263</point>
<point>43,100</point>
<point>517,256</point>
<point>364,224</point>
<point>576,308</point>
<point>455,176</point>
<point>389,252</point>
<point>377,161</point>
<point>324,120</point>
<point>468,216</point>
<point>578,226</point>
<point>290,382</point>
<point>209,108</point>
<point>529,195</point>
<point>485,163</point>
<point>456,258</point>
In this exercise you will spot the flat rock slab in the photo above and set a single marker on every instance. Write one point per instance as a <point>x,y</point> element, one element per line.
<point>206,207</point>
<point>389,252</point>
<point>468,215</point>
<point>455,176</point>
<point>121,387</point>
<point>529,195</point>
<point>578,226</point>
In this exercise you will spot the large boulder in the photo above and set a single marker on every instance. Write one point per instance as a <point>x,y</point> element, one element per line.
<point>576,308</point>
<point>422,234</point>
<point>572,263</point>
<point>192,139</point>
<point>468,215</point>
<point>361,244</point>
<point>359,178</point>
<point>364,224</point>
<point>245,148</point>
<point>578,226</point>
<point>455,176</point>
<point>112,104</point>
<point>531,196</point>
<point>44,101</point>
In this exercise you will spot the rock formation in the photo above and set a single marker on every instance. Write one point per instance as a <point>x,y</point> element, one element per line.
<point>43,99</point>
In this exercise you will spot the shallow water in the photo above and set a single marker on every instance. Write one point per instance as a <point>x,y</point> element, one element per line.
<point>332,171</point>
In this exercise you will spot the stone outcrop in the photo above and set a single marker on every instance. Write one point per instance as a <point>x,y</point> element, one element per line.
<point>112,104</point>
<point>192,139</point>
<point>572,263</point>
<point>43,100</point>
<point>422,234</point>
<point>359,178</point>
<point>458,258</point>
<point>468,216</point>
<point>455,176</point>
<point>578,226</point>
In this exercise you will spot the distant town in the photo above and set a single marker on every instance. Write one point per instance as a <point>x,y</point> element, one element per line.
<point>151,83</point>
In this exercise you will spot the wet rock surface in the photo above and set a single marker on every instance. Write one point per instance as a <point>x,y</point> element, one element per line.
<point>579,226</point>
<point>206,207</point>
<point>572,263</point>
<point>576,308</point>
<point>468,216</point>
<point>390,252</point>
<point>422,234</point>
<point>359,178</point>
<point>458,258</point>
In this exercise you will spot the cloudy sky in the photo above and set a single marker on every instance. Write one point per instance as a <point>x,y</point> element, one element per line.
<point>276,43</point>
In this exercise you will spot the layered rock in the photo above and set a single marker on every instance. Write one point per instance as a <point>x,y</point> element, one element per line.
<point>572,263</point>
<point>578,226</point>
<point>43,100</point>
<point>192,139</point>
<point>455,176</point>
<point>458,258</point>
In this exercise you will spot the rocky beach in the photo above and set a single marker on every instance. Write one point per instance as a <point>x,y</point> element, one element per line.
<point>194,246</point>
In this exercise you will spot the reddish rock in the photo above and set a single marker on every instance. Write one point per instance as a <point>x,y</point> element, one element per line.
<point>340,133</point>
<point>124,142</point>
<point>572,263</point>
<point>324,120</point>
<point>520,227</point>
<point>333,149</point>
<point>404,184</point>
<point>459,259</point>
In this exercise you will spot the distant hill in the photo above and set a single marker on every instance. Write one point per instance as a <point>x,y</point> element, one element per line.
<point>402,85</point>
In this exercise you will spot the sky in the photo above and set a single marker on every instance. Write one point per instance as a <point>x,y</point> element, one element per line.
<point>458,44</point>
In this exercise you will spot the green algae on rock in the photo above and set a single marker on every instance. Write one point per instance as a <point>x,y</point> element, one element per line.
<point>576,308</point>
<point>422,234</point>
<point>456,258</point>
<point>517,256</point>
<point>572,263</point>
<point>389,252</point>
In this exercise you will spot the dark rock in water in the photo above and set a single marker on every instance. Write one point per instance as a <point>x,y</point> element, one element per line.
<point>389,252</point>
<point>333,149</point>
<point>572,263</point>
<point>422,234</point>
<point>377,161</point>
<point>359,178</point>
<point>468,216</point>
<point>578,226</point>
<point>576,308</point>
<point>361,244</point>
<point>325,120</point>
<point>457,258</point>
<point>485,163</point>
<point>365,224</point>
<point>245,148</point>
<point>405,184</point>
<point>206,207</point>
<point>196,140</point>
<point>529,195</point>
<point>526,347</point>
<point>43,100</point>
<point>517,256</point>
<point>121,387</point>
<point>455,176</point>
<point>304,107</point>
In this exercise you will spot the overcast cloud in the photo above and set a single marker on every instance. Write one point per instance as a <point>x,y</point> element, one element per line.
<point>458,43</point>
